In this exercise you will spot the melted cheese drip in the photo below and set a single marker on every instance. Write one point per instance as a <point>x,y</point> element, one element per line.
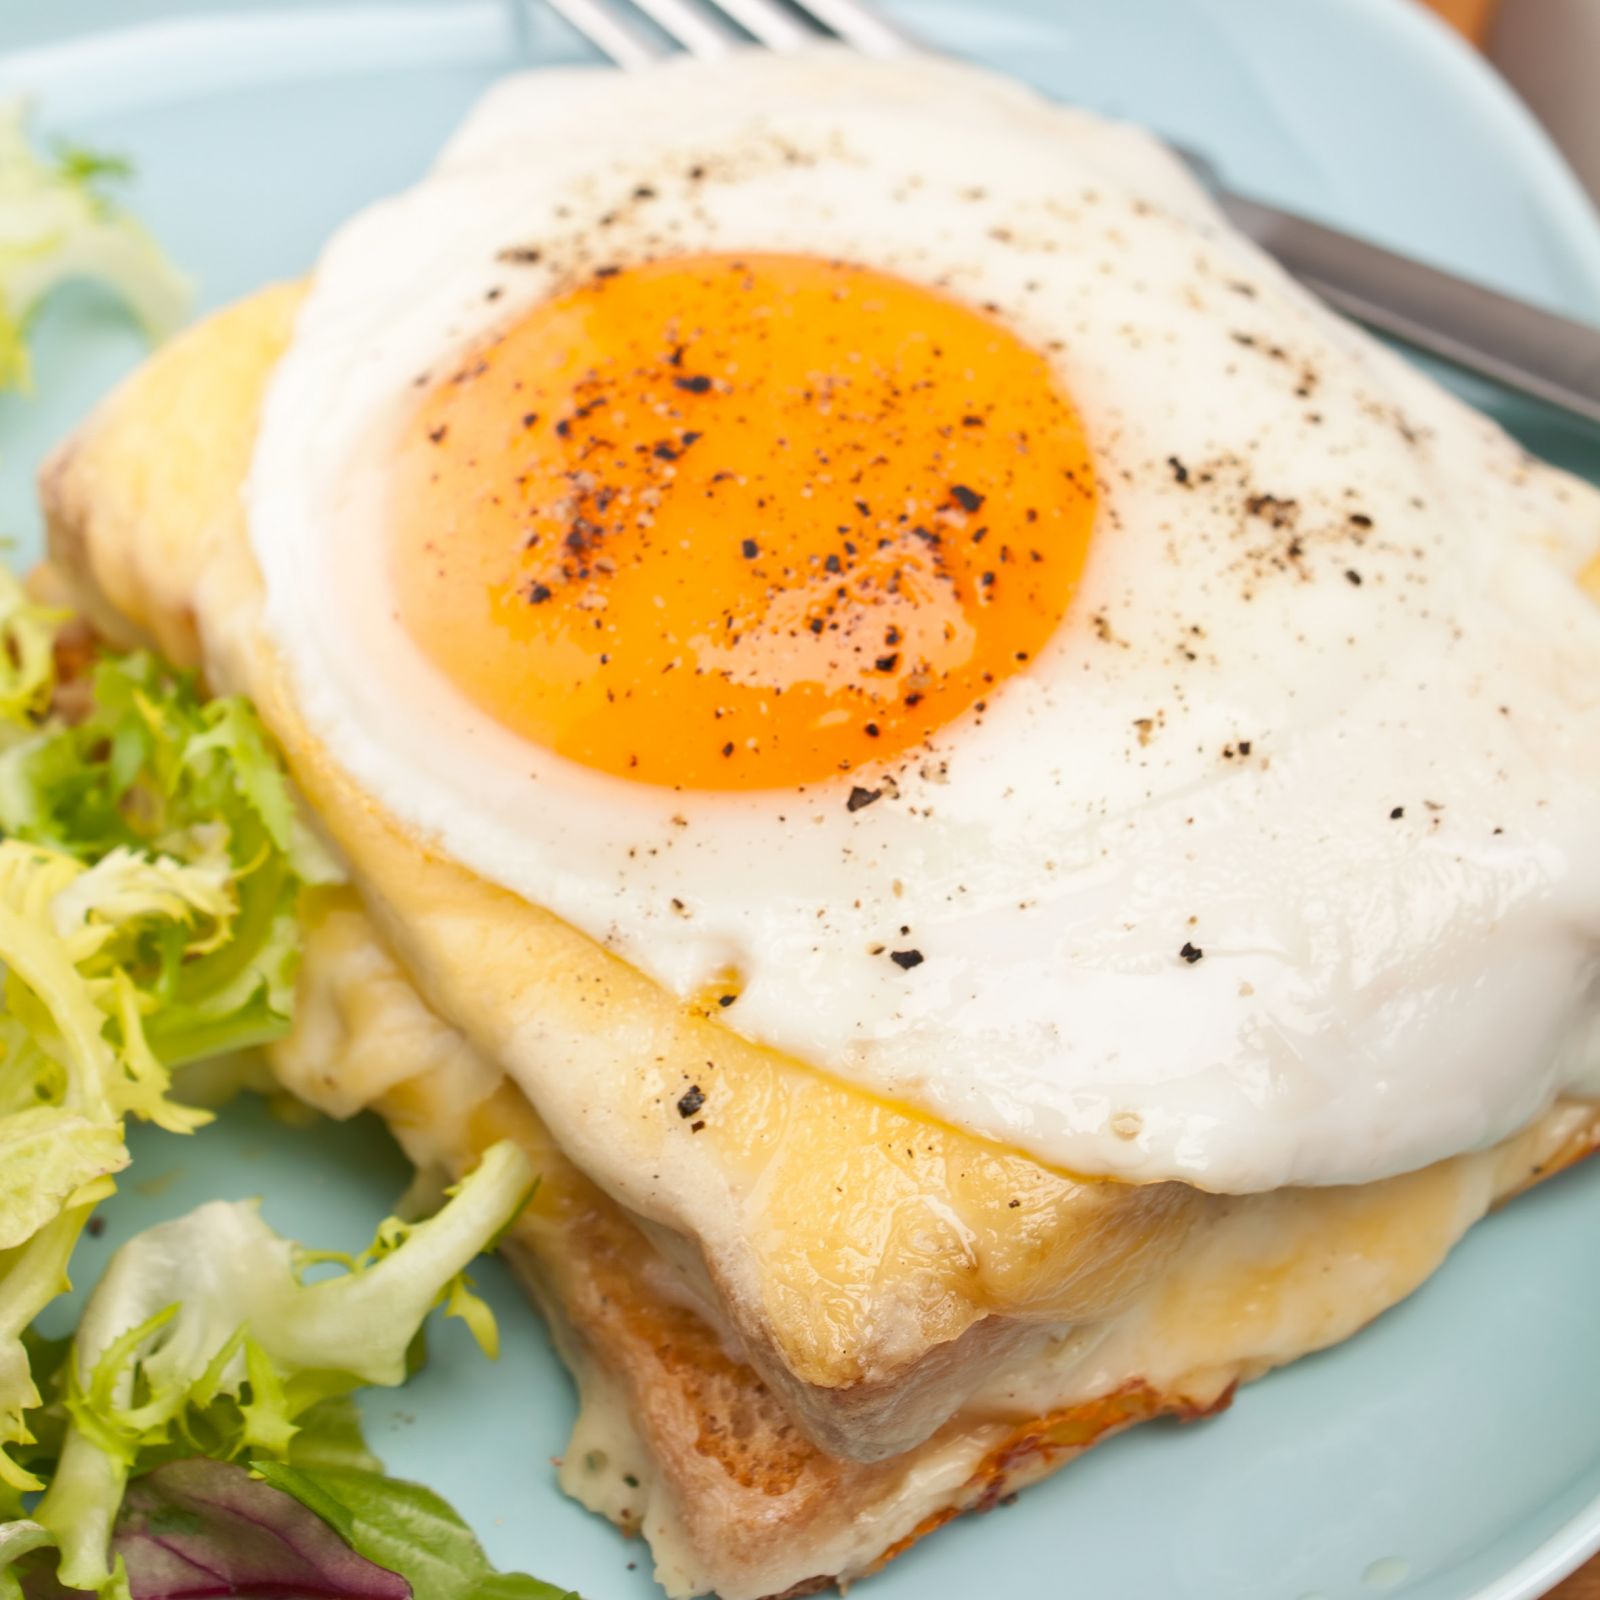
<point>1264,1280</point>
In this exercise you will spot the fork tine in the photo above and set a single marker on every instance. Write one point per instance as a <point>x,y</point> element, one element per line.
<point>858,24</point>
<point>712,28</point>
<point>613,30</point>
<point>771,23</point>
<point>701,30</point>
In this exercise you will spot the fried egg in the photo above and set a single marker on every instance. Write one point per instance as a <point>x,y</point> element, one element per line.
<point>879,553</point>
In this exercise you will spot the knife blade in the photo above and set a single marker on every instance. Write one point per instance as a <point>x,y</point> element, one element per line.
<point>1536,352</point>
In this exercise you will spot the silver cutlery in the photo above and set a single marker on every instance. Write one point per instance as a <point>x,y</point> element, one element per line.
<point>1524,347</point>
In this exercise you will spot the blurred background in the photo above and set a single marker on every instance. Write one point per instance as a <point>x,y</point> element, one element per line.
<point>1550,51</point>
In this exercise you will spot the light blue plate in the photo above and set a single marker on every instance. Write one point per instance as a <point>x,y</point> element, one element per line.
<point>1453,1450</point>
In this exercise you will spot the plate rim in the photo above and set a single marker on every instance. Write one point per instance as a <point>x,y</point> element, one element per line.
<point>1574,220</point>
<point>1561,1555</point>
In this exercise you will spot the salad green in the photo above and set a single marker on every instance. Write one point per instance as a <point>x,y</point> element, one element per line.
<point>206,1340</point>
<point>56,223</point>
<point>150,882</point>
<point>197,1433</point>
<point>202,1524</point>
<point>153,875</point>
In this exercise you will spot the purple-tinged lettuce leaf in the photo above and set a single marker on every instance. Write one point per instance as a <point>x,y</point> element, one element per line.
<point>203,1332</point>
<point>408,1529</point>
<point>199,1528</point>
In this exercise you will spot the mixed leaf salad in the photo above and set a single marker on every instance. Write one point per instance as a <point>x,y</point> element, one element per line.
<point>196,1435</point>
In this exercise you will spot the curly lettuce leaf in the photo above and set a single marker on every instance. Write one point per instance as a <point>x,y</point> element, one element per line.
<point>150,891</point>
<point>204,1336</point>
<point>74,1061</point>
<point>27,658</point>
<point>56,224</point>
<point>19,1540</point>
<point>32,1274</point>
<point>155,770</point>
<point>150,762</point>
<point>48,1155</point>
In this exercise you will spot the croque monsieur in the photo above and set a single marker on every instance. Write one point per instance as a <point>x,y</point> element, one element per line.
<point>1009,808</point>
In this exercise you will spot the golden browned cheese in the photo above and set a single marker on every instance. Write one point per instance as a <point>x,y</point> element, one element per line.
<point>1589,578</point>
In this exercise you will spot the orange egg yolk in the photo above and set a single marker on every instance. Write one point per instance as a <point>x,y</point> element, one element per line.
<point>744,522</point>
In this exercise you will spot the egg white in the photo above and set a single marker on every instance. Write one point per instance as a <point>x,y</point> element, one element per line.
<point>1280,865</point>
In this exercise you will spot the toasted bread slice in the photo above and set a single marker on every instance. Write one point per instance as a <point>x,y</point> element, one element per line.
<point>679,1438</point>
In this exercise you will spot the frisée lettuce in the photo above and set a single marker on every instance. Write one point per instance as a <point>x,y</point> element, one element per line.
<point>151,875</point>
<point>197,1434</point>
<point>55,224</point>
<point>203,1337</point>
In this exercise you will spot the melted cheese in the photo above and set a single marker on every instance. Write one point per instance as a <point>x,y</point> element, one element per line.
<point>1260,1281</point>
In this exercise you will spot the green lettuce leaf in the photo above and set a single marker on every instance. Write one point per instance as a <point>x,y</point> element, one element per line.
<point>32,1274</point>
<point>407,1529</point>
<point>329,1435</point>
<point>205,1337</point>
<point>56,224</point>
<point>209,1527</point>
<point>27,658</point>
<point>150,896</point>
<point>19,1540</point>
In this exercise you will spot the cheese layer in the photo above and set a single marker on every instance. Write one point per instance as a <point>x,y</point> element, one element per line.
<point>688,1450</point>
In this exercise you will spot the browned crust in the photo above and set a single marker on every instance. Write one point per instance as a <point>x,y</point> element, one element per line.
<point>1035,1449</point>
<point>740,1471</point>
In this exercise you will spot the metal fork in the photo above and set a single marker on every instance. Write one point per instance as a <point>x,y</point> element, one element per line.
<point>1549,357</point>
<point>615,27</point>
